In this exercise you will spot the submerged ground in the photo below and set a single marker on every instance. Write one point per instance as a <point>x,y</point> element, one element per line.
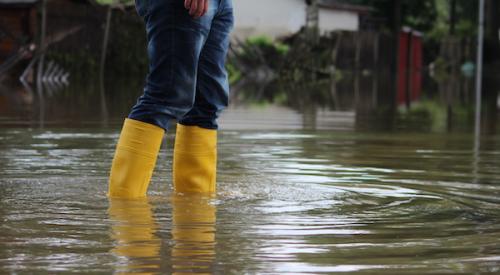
<point>295,195</point>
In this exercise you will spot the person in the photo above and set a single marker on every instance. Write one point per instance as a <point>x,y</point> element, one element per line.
<point>188,42</point>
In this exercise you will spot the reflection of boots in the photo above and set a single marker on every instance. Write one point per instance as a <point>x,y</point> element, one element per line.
<point>193,232</point>
<point>133,228</point>
<point>135,159</point>
<point>195,157</point>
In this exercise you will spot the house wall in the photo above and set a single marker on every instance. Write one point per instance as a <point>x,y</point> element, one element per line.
<point>333,20</point>
<point>276,18</point>
<point>273,18</point>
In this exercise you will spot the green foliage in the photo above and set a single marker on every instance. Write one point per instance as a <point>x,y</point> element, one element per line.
<point>434,114</point>
<point>338,75</point>
<point>258,51</point>
<point>268,44</point>
<point>440,69</point>
<point>465,25</point>
<point>419,15</point>
<point>466,28</point>
<point>432,17</point>
<point>429,111</point>
<point>234,73</point>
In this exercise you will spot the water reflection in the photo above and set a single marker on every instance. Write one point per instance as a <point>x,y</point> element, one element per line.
<point>309,190</point>
<point>326,104</point>
<point>193,233</point>
<point>137,235</point>
<point>288,201</point>
<point>133,229</point>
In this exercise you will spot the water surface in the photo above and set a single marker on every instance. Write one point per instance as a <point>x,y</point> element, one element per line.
<point>291,199</point>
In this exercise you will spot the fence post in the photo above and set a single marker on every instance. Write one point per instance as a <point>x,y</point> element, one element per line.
<point>41,46</point>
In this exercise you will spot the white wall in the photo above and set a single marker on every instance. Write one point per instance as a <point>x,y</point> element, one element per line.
<point>269,17</point>
<point>276,18</point>
<point>332,20</point>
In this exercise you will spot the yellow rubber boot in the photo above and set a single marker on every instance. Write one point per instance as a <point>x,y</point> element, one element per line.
<point>195,159</point>
<point>135,159</point>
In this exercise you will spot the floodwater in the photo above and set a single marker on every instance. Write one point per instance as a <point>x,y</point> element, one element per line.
<point>291,198</point>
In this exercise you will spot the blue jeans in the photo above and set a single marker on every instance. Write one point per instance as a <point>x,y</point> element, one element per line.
<point>187,80</point>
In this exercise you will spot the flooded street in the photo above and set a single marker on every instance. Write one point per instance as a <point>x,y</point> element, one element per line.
<point>361,137</point>
<point>291,199</point>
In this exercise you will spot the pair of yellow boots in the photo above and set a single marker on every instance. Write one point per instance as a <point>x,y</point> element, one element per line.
<point>194,163</point>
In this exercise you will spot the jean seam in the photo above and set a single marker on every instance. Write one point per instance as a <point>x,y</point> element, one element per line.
<point>218,8</point>
<point>172,48</point>
<point>226,8</point>
<point>147,8</point>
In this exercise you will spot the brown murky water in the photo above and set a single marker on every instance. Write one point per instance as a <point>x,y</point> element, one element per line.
<point>313,192</point>
<point>289,201</point>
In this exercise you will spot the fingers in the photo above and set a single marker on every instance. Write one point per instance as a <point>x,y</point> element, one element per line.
<point>193,8</point>
<point>197,8</point>
<point>205,7</point>
<point>202,8</point>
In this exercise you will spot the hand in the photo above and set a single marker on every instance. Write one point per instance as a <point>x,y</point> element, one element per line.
<point>197,8</point>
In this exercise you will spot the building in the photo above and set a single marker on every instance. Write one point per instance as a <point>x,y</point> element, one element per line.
<point>333,15</point>
<point>279,18</point>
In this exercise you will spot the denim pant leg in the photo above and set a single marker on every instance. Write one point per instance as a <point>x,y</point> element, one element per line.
<point>212,88</point>
<point>175,40</point>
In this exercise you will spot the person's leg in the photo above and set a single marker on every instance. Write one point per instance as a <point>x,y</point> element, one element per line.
<point>195,153</point>
<point>175,40</point>
<point>212,87</point>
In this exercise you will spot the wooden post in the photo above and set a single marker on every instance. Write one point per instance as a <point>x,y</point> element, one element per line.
<point>104,108</point>
<point>41,47</point>
<point>479,78</point>
<point>396,33</point>
<point>312,22</point>
<point>333,72</point>
<point>357,66</point>
<point>479,70</point>
<point>375,71</point>
<point>409,69</point>
<point>105,41</point>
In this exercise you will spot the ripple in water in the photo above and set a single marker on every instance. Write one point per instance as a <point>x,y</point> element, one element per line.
<point>288,202</point>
